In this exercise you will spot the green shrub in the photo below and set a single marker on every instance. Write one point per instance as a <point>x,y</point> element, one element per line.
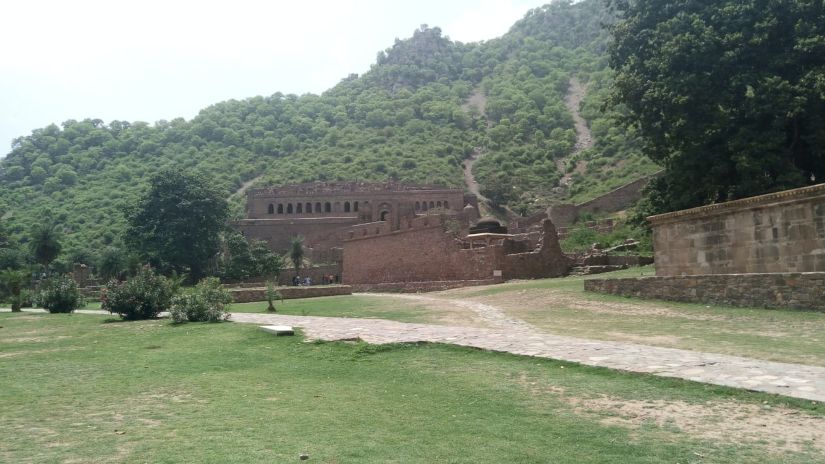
<point>144,296</point>
<point>58,294</point>
<point>206,303</point>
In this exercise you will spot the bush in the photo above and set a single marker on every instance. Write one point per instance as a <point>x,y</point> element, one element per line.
<point>207,303</point>
<point>58,295</point>
<point>144,296</point>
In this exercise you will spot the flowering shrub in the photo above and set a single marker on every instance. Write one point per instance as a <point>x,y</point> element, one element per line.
<point>58,295</point>
<point>144,296</point>
<point>206,303</point>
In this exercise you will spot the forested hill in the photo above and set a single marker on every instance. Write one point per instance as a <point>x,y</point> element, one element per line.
<point>423,107</point>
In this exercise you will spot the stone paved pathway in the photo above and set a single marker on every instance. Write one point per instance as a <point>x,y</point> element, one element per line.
<point>514,336</point>
<point>794,380</point>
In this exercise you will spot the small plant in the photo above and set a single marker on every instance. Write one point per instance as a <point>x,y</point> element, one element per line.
<point>271,295</point>
<point>58,294</point>
<point>144,296</point>
<point>207,303</point>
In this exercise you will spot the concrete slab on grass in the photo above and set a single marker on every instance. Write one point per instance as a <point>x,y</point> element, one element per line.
<point>278,329</point>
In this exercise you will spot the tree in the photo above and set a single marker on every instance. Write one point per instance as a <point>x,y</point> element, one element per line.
<point>45,244</point>
<point>176,225</point>
<point>296,252</point>
<point>729,96</point>
<point>14,281</point>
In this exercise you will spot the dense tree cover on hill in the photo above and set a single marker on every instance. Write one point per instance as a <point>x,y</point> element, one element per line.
<point>728,95</point>
<point>407,118</point>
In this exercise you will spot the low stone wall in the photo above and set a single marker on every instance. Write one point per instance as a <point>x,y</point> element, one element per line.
<point>415,287</point>
<point>245,295</point>
<point>804,290</point>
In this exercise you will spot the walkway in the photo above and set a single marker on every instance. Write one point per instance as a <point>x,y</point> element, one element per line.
<point>795,380</point>
<point>517,337</point>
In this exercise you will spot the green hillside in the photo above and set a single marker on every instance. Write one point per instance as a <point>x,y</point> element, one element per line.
<point>423,107</point>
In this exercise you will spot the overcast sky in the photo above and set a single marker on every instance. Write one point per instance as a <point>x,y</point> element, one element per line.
<point>150,60</point>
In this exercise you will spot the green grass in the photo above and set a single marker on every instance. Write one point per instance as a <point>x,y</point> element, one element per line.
<point>562,306</point>
<point>80,388</point>
<point>357,306</point>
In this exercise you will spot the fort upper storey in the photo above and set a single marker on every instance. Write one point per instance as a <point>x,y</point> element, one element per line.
<point>361,200</point>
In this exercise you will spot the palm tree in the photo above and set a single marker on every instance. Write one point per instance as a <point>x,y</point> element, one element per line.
<point>14,281</point>
<point>296,252</point>
<point>45,244</point>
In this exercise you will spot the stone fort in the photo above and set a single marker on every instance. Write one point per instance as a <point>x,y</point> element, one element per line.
<point>396,234</point>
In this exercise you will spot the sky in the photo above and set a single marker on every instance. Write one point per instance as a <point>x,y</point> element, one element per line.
<point>148,60</point>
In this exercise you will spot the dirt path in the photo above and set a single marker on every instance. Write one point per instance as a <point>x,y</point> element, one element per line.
<point>242,189</point>
<point>584,139</point>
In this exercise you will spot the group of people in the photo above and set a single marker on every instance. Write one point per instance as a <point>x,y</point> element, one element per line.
<point>299,281</point>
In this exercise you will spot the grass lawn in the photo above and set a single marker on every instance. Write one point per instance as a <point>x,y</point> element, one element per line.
<point>81,388</point>
<point>562,306</point>
<point>357,306</point>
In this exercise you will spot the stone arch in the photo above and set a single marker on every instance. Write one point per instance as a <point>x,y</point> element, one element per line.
<point>327,207</point>
<point>418,206</point>
<point>346,207</point>
<point>308,207</point>
<point>355,206</point>
<point>446,204</point>
<point>432,204</point>
<point>299,208</point>
<point>280,208</point>
<point>384,215</point>
<point>271,209</point>
<point>438,204</point>
<point>318,207</point>
<point>289,208</point>
<point>423,206</point>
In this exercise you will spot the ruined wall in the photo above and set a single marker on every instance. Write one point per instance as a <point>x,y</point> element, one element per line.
<point>546,261</point>
<point>423,251</point>
<point>420,250</point>
<point>319,233</point>
<point>786,290</point>
<point>564,215</point>
<point>246,295</point>
<point>779,232</point>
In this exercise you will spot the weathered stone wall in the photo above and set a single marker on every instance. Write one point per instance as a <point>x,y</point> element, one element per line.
<point>423,251</point>
<point>564,215</point>
<point>787,290</point>
<point>778,232</point>
<point>420,251</point>
<point>415,287</point>
<point>246,295</point>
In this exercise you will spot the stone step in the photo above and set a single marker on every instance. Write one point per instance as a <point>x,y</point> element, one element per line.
<point>278,329</point>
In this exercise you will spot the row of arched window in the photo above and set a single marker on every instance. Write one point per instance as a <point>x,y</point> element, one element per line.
<point>308,208</point>
<point>424,206</point>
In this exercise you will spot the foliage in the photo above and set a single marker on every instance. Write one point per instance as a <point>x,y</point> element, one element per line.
<point>242,259</point>
<point>58,294</point>
<point>729,96</point>
<point>14,283</point>
<point>206,303</point>
<point>426,105</point>
<point>45,243</point>
<point>176,225</point>
<point>116,263</point>
<point>144,296</point>
<point>271,296</point>
<point>582,239</point>
<point>296,252</point>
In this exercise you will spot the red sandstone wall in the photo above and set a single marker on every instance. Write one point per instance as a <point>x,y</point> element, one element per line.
<point>420,252</point>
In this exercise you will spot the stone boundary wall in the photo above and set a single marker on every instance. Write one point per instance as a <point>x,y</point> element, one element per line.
<point>621,198</point>
<point>804,290</point>
<point>246,295</point>
<point>416,287</point>
<point>775,233</point>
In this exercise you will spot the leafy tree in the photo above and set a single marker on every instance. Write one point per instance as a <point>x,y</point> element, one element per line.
<point>729,96</point>
<point>113,264</point>
<point>45,244</point>
<point>177,223</point>
<point>14,281</point>
<point>296,252</point>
